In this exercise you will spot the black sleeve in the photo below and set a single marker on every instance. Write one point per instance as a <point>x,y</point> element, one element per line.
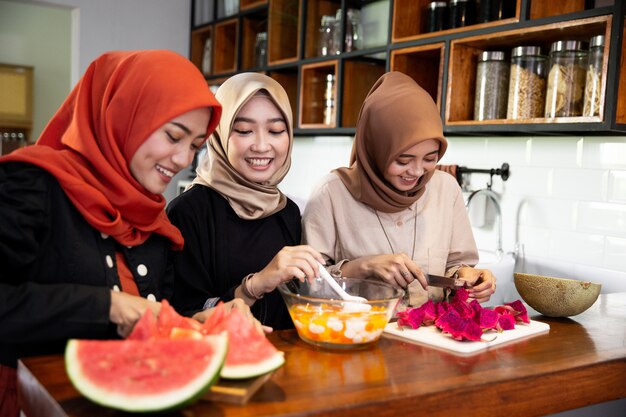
<point>190,212</point>
<point>32,311</point>
<point>293,221</point>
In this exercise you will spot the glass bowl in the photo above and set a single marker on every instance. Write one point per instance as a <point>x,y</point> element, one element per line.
<point>323,319</point>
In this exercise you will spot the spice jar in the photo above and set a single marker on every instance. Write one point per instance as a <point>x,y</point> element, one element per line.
<point>490,10</point>
<point>326,43</point>
<point>492,83</point>
<point>594,77</point>
<point>527,83</point>
<point>460,13</point>
<point>437,16</point>
<point>260,49</point>
<point>329,100</point>
<point>566,79</point>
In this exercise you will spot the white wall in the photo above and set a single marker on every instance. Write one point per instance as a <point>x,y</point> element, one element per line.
<point>40,37</point>
<point>565,201</point>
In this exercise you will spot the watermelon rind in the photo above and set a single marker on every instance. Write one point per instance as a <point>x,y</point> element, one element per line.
<point>245,371</point>
<point>161,401</point>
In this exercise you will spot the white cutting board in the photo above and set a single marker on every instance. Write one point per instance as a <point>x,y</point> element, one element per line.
<point>432,336</point>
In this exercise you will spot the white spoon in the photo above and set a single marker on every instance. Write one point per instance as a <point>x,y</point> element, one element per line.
<point>354,303</point>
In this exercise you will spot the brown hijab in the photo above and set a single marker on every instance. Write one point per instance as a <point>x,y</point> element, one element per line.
<point>396,115</point>
<point>248,199</point>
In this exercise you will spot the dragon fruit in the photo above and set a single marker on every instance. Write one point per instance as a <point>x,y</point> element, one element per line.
<point>463,319</point>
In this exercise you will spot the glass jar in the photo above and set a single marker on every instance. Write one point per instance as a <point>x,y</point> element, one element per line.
<point>566,79</point>
<point>326,36</point>
<point>527,83</point>
<point>490,10</point>
<point>460,13</point>
<point>492,85</point>
<point>354,34</point>
<point>260,50</point>
<point>329,100</point>
<point>437,16</point>
<point>593,84</point>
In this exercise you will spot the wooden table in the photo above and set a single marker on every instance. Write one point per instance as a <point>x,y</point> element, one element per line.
<point>581,361</point>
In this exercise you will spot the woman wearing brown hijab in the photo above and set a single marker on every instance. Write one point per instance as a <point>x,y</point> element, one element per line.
<point>391,215</point>
<point>240,231</point>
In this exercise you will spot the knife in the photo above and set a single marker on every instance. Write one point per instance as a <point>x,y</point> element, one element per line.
<point>445,282</point>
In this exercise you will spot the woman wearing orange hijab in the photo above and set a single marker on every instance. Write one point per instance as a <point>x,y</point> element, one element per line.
<point>84,239</point>
<point>391,215</point>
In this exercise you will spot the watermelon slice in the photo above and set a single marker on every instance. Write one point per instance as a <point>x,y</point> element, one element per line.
<point>145,376</point>
<point>250,354</point>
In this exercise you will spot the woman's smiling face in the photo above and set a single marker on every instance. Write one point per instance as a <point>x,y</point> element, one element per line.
<point>169,149</point>
<point>405,171</point>
<point>259,141</point>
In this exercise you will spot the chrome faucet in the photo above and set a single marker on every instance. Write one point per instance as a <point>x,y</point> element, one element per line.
<point>493,197</point>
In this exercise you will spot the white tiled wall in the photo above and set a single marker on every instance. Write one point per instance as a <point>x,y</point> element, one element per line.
<point>565,201</point>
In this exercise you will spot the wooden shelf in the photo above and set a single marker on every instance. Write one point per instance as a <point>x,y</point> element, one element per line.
<point>198,41</point>
<point>464,53</point>
<point>225,45</point>
<point>16,103</point>
<point>359,75</point>
<point>424,64</point>
<point>284,31</point>
<point>443,63</point>
<point>251,4</point>
<point>314,12</point>
<point>409,21</point>
<point>252,25</point>
<point>312,91</point>
<point>288,78</point>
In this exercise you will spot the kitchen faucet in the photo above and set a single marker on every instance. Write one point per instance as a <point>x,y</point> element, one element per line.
<point>493,197</point>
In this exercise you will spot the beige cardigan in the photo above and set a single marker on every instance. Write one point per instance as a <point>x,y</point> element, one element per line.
<point>342,228</point>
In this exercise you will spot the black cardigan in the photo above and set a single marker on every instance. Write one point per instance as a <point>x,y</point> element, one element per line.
<point>221,249</point>
<point>55,273</point>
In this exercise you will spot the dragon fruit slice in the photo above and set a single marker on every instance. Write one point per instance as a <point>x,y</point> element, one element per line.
<point>430,315</point>
<point>488,319</point>
<point>472,331</point>
<point>506,322</point>
<point>411,317</point>
<point>520,312</point>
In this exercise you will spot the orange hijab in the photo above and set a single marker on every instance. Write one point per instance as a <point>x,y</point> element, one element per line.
<point>396,115</point>
<point>122,98</point>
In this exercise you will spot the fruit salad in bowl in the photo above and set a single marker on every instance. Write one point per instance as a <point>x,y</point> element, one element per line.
<point>323,319</point>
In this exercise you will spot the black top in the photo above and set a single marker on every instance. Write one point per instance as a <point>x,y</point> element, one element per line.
<point>56,271</point>
<point>221,249</point>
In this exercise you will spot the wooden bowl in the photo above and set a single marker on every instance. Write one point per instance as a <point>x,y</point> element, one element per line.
<point>556,297</point>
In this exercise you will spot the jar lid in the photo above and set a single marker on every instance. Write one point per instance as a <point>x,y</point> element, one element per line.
<point>457,1</point>
<point>328,20</point>
<point>597,41</point>
<point>525,50</point>
<point>491,56</point>
<point>261,36</point>
<point>568,46</point>
<point>436,4</point>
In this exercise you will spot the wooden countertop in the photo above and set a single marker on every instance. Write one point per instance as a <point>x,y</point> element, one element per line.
<point>581,361</point>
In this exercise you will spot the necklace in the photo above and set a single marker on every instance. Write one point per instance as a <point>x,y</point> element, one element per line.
<point>387,237</point>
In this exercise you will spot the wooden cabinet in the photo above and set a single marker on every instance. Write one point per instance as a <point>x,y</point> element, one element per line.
<point>444,63</point>
<point>16,106</point>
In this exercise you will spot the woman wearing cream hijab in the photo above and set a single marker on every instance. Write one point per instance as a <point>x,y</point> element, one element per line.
<point>391,215</point>
<point>239,229</point>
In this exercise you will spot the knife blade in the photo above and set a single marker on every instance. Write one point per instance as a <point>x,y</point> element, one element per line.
<point>445,282</point>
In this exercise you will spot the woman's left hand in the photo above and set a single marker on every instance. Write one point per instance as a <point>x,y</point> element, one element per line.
<point>482,281</point>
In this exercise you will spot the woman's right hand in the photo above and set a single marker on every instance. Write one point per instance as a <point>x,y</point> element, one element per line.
<point>291,261</point>
<point>127,309</point>
<point>396,269</point>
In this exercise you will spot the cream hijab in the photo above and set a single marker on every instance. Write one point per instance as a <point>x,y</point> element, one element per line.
<point>248,199</point>
<point>396,115</point>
